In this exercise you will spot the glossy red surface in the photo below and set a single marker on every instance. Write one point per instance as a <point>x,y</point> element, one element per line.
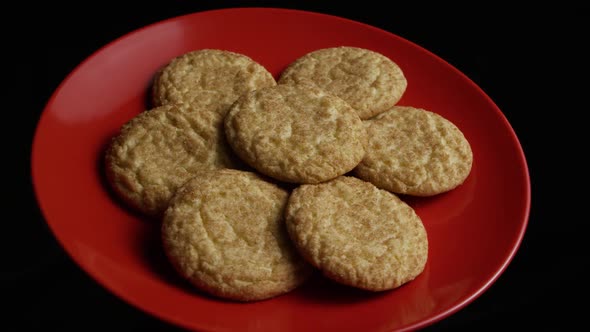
<point>474,230</point>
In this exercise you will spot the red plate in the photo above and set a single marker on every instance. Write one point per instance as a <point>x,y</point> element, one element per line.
<point>474,230</point>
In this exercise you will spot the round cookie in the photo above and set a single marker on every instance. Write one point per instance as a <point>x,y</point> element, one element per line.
<point>158,150</point>
<point>224,232</point>
<point>296,133</point>
<point>369,81</point>
<point>212,78</point>
<point>415,152</point>
<point>357,234</point>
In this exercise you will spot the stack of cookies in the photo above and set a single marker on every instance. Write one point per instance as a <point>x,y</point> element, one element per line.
<point>258,182</point>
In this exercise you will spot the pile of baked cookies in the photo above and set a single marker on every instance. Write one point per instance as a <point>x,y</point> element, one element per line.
<point>258,182</point>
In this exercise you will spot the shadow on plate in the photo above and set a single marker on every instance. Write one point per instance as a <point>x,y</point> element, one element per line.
<point>322,290</point>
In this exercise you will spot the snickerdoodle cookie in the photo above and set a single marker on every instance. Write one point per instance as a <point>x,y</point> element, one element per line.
<point>369,81</point>
<point>357,234</point>
<point>415,152</point>
<point>210,77</point>
<point>296,133</point>
<point>224,232</point>
<point>158,150</point>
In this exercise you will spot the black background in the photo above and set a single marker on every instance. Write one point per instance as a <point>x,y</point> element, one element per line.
<point>530,61</point>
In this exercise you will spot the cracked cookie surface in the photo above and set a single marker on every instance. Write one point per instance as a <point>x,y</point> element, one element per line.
<point>224,232</point>
<point>415,152</point>
<point>369,81</point>
<point>296,133</point>
<point>357,234</point>
<point>158,150</point>
<point>212,78</point>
